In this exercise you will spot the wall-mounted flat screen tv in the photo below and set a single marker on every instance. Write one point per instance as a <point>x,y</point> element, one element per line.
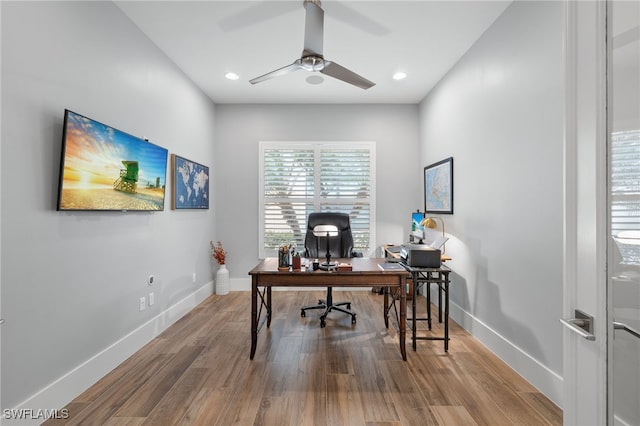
<point>103,168</point>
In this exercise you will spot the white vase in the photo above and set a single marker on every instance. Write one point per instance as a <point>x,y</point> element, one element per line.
<point>222,280</point>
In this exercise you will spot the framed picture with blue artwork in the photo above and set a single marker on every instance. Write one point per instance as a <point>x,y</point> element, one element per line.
<point>438,187</point>
<point>190,189</point>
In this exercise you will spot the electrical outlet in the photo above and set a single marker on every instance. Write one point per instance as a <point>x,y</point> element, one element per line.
<point>152,299</point>
<point>143,303</point>
<point>193,277</point>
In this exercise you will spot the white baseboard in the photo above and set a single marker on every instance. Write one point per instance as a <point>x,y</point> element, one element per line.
<point>62,391</point>
<point>542,378</point>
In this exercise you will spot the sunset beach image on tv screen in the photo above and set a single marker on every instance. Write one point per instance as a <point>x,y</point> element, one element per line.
<point>106,169</point>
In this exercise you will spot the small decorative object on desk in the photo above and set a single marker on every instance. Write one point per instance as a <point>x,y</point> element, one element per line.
<point>283,257</point>
<point>222,275</point>
<point>296,261</point>
<point>345,267</point>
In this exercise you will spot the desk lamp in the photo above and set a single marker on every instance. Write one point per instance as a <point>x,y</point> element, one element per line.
<point>430,222</point>
<point>326,231</point>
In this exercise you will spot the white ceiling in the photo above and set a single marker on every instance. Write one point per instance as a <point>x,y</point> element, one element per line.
<point>375,39</point>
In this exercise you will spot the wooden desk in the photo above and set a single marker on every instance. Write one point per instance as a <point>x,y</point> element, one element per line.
<point>365,273</point>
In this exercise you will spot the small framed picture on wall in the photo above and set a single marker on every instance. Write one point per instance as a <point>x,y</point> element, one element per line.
<point>438,187</point>
<point>190,189</point>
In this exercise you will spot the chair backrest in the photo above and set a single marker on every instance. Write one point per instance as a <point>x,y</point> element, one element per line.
<point>339,246</point>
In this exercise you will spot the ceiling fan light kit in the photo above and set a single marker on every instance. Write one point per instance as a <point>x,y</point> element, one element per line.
<point>314,79</point>
<point>312,58</point>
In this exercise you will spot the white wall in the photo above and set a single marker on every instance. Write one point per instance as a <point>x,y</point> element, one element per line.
<point>499,113</point>
<point>71,281</point>
<point>239,128</point>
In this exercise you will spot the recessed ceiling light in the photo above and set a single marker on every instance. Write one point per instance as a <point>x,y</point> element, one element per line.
<point>232,76</point>
<point>399,76</point>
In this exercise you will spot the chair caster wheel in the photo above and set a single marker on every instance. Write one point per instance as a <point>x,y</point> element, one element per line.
<point>353,320</point>
<point>303,314</point>
<point>349,306</point>
<point>323,323</point>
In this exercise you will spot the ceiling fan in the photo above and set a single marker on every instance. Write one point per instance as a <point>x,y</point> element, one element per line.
<point>312,58</point>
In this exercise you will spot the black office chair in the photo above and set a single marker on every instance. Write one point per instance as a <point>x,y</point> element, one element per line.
<point>340,246</point>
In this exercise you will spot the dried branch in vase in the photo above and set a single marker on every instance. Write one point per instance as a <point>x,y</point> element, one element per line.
<point>218,253</point>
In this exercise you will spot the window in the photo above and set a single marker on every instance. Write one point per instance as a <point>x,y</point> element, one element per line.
<point>301,178</point>
<point>625,194</point>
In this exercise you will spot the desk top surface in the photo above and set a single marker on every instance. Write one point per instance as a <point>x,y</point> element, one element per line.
<point>360,265</point>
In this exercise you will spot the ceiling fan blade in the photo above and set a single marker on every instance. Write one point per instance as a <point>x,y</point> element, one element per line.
<point>350,16</point>
<point>341,73</point>
<point>255,14</point>
<point>277,73</point>
<point>313,29</point>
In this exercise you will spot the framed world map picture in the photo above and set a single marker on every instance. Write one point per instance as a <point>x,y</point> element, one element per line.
<point>438,187</point>
<point>190,189</point>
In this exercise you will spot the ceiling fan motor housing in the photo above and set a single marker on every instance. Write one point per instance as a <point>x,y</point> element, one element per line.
<point>316,2</point>
<point>312,63</point>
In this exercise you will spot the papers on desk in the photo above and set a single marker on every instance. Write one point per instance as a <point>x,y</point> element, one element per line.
<point>391,266</point>
<point>439,242</point>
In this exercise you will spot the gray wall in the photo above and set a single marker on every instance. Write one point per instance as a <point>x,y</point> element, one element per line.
<point>499,113</point>
<point>71,281</point>
<point>69,290</point>
<point>239,128</point>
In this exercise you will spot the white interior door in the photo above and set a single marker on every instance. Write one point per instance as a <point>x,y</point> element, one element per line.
<point>624,169</point>
<point>586,215</point>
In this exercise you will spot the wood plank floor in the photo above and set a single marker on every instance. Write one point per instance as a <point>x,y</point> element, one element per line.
<point>198,372</point>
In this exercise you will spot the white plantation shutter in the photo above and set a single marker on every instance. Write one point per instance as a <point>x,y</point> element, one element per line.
<point>301,178</point>
<point>625,193</point>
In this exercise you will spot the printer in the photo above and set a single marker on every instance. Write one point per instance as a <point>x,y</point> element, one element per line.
<point>420,256</point>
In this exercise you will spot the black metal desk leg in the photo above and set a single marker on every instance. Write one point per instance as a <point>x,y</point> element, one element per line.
<point>446,313</point>
<point>414,294</point>
<point>440,299</point>
<point>427,285</point>
<point>269,306</point>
